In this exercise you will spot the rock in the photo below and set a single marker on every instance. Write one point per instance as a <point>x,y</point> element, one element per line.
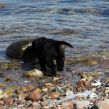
<point>8,79</point>
<point>82,104</point>
<point>55,95</point>
<point>19,47</point>
<point>36,105</point>
<point>31,107</point>
<point>44,89</point>
<point>103,104</point>
<point>34,96</point>
<point>49,85</point>
<point>97,83</point>
<point>68,105</point>
<point>1,102</point>
<point>93,96</point>
<point>38,90</point>
<point>90,62</point>
<point>107,90</point>
<point>59,107</point>
<point>2,85</point>
<point>22,96</point>
<point>9,101</point>
<point>29,87</point>
<point>80,86</point>
<point>69,92</point>
<point>93,107</point>
<point>34,73</point>
<point>2,5</point>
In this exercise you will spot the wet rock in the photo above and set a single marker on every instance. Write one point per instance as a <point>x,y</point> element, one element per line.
<point>93,96</point>
<point>22,96</point>
<point>9,101</point>
<point>8,79</point>
<point>1,102</point>
<point>29,88</point>
<point>69,92</point>
<point>31,107</point>
<point>2,5</point>
<point>2,85</point>
<point>44,89</point>
<point>93,107</point>
<point>36,105</point>
<point>19,47</point>
<point>68,105</point>
<point>34,73</point>
<point>55,95</point>
<point>90,62</point>
<point>59,107</point>
<point>96,83</point>
<point>103,104</point>
<point>107,90</point>
<point>82,104</point>
<point>81,86</point>
<point>48,85</point>
<point>34,96</point>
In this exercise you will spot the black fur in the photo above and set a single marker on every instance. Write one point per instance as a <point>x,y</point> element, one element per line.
<point>46,51</point>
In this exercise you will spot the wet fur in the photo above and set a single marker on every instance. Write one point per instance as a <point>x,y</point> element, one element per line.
<point>46,51</point>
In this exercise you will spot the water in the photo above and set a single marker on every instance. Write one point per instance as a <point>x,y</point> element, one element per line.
<point>83,23</point>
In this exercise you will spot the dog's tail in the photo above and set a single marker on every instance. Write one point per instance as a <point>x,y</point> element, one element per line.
<point>65,43</point>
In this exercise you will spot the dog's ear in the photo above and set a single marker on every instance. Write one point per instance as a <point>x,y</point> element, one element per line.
<point>65,43</point>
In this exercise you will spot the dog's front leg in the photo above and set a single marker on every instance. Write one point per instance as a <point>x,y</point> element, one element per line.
<point>60,63</point>
<point>42,65</point>
<point>52,67</point>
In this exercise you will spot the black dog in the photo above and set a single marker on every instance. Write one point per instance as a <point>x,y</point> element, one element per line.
<point>46,51</point>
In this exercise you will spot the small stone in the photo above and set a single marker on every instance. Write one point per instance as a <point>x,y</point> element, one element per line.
<point>93,107</point>
<point>82,104</point>
<point>1,102</point>
<point>36,105</point>
<point>49,85</point>
<point>2,5</point>
<point>80,86</point>
<point>44,89</point>
<point>2,85</point>
<point>22,96</point>
<point>9,101</point>
<point>107,90</point>
<point>90,62</point>
<point>67,105</point>
<point>38,90</point>
<point>59,107</point>
<point>97,83</point>
<point>69,92</point>
<point>31,107</point>
<point>34,96</point>
<point>93,96</point>
<point>33,73</point>
<point>55,95</point>
<point>103,104</point>
<point>8,79</point>
<point>29,87</point>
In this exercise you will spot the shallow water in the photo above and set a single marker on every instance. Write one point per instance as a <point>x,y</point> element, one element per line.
<point>83,23</point>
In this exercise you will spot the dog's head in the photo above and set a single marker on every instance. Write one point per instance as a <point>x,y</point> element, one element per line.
<point>50,50</point>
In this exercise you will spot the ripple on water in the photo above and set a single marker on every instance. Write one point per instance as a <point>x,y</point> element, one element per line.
<point>82,23</point>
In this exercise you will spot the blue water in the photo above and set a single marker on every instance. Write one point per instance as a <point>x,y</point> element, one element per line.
<point>83,23</point>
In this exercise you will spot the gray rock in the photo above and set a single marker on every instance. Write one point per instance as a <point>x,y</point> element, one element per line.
<point>16,49</point>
